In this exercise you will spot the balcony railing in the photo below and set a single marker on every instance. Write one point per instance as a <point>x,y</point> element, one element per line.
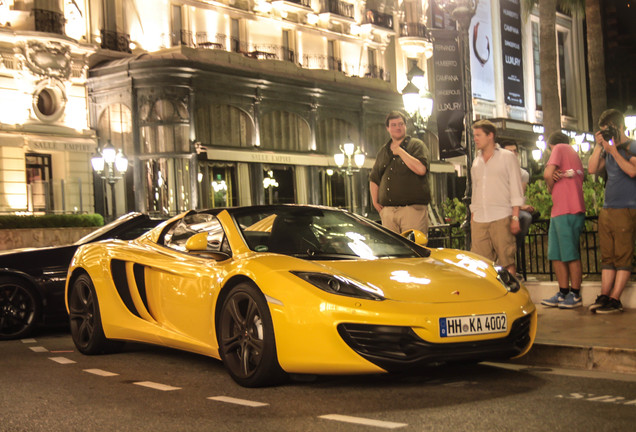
<point>306,3</point>
<point>414,30</point>
<point>379,19</point>
<point>337,7</point>
<point>112,40</point>
<point>49,21</point>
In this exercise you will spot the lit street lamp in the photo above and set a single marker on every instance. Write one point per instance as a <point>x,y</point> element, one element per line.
<point>418,102</point>
<point>110,165</point>
<point>462,11</point>
<point>349,152</point>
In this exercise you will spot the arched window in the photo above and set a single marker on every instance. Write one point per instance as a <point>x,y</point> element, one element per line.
<point>224,125</point>
<point>331,133</point>
<point>282,130</point>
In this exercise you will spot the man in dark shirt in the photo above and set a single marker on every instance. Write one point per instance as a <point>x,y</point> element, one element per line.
<point>399,181</point>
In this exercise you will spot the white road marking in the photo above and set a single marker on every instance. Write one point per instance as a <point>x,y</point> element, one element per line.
<point>156,386</point>
<point>39,349</point>
<point>30,340</point>
<point>363,421</point>
<point>62,360</point>
<point>236,401</point>
<point>100,372</point>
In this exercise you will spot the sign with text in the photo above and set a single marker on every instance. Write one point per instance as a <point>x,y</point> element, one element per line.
<point>449,93</point>
<point>511,51</point>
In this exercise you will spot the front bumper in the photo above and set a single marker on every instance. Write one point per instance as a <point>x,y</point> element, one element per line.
<point>395,348</point>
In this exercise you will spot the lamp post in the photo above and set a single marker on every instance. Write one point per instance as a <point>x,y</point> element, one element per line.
<point>418,102</point>
<point>110,165</point>
<point>462,11</point>
<point>349,152</point>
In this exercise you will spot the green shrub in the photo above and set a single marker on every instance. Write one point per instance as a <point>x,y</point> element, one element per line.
<point>51,221</point>
<point>537,196</point>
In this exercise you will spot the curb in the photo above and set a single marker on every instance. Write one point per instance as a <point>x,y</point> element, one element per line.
<point>602,359</point>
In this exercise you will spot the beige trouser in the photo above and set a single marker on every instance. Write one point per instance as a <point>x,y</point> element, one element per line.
<point>404,218</point>
<point>493,240</point>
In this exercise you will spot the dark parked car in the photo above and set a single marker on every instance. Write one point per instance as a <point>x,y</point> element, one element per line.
<point>32,280</point>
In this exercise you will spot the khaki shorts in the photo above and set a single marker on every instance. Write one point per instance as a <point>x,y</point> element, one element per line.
<point>493,240</point>
<point>404,218</point>
<point>617,233</point>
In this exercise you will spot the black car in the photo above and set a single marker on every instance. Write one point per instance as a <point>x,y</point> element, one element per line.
<point>32,280</point>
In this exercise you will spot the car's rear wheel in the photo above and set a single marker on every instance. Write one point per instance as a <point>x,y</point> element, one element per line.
<point>19,308</point>
<point>85,319</point>
<point>246,338</point>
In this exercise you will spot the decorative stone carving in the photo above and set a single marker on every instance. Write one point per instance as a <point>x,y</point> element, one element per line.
<point>46,59</point>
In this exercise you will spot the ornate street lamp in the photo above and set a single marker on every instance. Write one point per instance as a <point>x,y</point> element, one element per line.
<point>418,102</point>
<point>110,165</point>
<point>462,11</point>
<point>348,153</point>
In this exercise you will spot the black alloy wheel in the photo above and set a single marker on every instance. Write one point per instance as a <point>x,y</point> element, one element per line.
<point>246,338</point>
<point>19,308</point>
<point>85,319</point>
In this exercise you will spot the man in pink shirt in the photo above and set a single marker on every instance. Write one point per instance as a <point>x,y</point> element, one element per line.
<point>564,177</point>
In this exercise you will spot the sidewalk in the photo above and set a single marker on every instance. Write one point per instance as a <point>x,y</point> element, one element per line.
<point>580,339</point>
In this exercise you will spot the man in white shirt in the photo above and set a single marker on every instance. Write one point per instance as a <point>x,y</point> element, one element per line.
<point>497,195</point>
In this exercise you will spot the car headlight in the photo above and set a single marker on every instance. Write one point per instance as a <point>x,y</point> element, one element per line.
<point>341,285</point>
<point>511,283</point>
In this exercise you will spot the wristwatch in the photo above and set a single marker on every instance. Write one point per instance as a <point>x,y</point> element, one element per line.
<point>515,218</point>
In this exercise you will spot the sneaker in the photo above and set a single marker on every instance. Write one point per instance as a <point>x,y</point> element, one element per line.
<point>601,301</point>
<point>571,301</point>
<point>613,306</point>
<point>554,301</point>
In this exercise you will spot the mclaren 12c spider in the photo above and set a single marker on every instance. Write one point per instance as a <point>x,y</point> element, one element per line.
<point>294,289</point>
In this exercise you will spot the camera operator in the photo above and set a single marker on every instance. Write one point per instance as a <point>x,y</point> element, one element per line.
<point>615,153</point>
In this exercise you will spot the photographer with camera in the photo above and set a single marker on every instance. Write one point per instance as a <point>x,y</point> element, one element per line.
<point>615,153</point>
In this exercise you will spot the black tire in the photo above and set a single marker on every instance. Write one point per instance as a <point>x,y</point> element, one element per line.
<point>85,319</point>
<point>19,308</point>
<point>247,344</point>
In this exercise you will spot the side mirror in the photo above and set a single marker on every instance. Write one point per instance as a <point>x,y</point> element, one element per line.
<point>416,236</point>
<point>198,242</point>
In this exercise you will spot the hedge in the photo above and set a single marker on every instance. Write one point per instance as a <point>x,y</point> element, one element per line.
<point>51,221</point>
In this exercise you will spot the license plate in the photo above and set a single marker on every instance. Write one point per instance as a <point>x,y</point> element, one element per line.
<point>472,325</point>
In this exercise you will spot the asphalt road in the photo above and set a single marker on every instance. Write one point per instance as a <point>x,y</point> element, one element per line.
<point>45,385</point>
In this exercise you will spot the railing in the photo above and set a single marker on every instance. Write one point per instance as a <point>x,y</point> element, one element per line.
<point>112,40</point>
<point>306,3</point>
<point>338,7</point>
<point>532,258</point>
<point>223,42</point>
<point>379,19</point>
<point>414,30</point>
<point>57,196</point>
<point>48,21</point>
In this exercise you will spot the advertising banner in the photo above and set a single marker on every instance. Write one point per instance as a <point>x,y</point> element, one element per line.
<point>511,51</point>
<point>481,53</point>
<point>449,93</point>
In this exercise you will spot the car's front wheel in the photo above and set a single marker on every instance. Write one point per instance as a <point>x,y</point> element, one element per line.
<point>247,343</point>
<point>19,308</point>
<point>85,319</point>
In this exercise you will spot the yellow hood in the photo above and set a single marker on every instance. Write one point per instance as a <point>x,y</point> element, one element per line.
<point>467,278</point>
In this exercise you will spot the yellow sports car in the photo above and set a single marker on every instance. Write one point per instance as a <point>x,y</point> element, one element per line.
<point>274,290</point>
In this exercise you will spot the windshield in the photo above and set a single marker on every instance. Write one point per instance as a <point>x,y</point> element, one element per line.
<point>318,233</point>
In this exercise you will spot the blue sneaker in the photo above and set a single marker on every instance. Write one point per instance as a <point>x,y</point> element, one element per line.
<point>571,301</point>
<point>554,301</point>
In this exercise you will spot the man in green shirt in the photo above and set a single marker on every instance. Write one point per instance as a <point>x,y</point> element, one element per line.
<point>399,181</point>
